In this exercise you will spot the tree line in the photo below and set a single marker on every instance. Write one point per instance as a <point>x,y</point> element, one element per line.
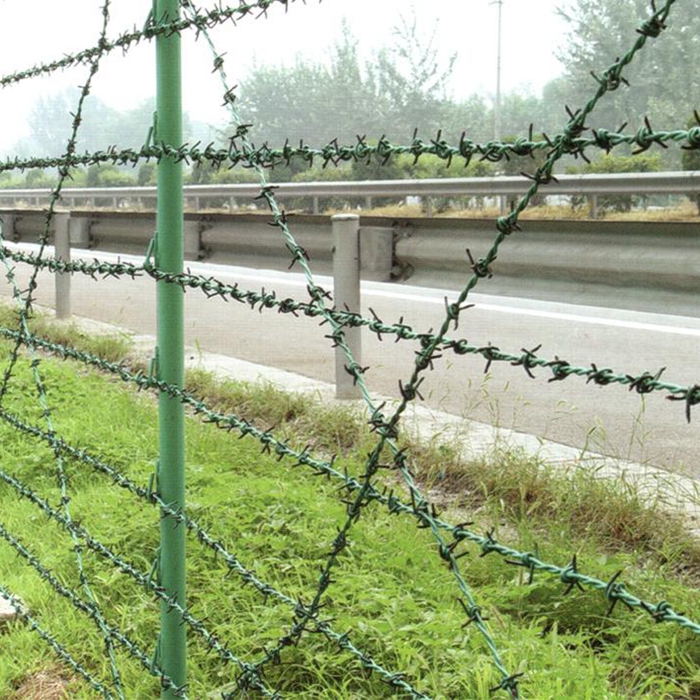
<point>403,87</point>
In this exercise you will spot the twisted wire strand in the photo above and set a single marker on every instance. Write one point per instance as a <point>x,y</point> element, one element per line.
<point>660,612</point>
<point>58,648</point>
<point>308,614</point>
<point>211,640</point>
<point>206,18</point>
<point>560,369</point>
<point>335,154</point>
<point>88,607</point>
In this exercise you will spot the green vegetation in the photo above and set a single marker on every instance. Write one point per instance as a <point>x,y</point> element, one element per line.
<point>391,590</point>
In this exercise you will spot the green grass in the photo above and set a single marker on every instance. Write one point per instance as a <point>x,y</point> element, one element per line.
<point>391,590</point>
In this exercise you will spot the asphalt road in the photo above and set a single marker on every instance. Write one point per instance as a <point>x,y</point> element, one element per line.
<point>610,419</point>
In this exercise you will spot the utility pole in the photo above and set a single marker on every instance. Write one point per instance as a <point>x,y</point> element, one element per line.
<point>497,103</point>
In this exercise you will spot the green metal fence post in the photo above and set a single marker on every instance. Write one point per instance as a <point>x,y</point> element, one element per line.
<point>168,255</point>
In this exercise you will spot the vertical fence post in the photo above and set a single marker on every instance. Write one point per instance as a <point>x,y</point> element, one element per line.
<point>346,293</point>
<point>61,237</point>
<point>168,256</point>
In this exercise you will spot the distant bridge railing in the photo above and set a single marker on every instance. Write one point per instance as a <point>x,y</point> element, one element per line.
<point>197,196</point>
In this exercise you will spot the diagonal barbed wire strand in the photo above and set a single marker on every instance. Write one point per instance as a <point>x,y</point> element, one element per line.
<point>58,648</point>
<point>145,580</point>
<point>660,612</point>
<point>387,428</point>
<point>206,18</point>
<point>206,539</point>
<point>88,607</point>
<point>308,614</point>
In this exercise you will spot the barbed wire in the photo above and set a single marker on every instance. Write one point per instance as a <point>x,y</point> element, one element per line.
<point>25,309</point>
<point>63,653</point>
<point>335,154</point>
<point>211,640</point>
<point>154,27</point>
<point>89,608</point>
<point>366,488</point>
<point>460,532</point>
<point>643,382</point>
<point>308,614</point>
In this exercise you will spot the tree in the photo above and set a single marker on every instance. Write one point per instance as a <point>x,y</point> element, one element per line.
<point>410,80</point>
<point>662,84</point>
<point>402,88</point>
<point>50,123</point>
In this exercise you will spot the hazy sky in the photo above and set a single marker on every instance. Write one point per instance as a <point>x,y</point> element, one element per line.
<point>43,30</point>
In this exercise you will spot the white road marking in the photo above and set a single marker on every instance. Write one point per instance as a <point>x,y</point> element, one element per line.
<point>387,291</point>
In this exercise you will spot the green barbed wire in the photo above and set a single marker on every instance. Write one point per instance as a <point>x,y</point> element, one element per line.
<point>145,580</point>
<point>88,607</point>
<point>206,18</point>
<point>460,532</point>
<point>308,614</point>
<point>206,539</point>
<point>641,382</point>
<point>336,154</point>
<point>62,652</point>
<point>432,344</point>
<point>25,303</point>
<point>387,427</point>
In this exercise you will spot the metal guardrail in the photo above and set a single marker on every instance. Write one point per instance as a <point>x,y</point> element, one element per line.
<point>687,182</point>
<point>647,266</point>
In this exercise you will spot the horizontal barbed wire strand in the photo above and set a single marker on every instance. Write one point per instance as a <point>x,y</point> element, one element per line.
<point>206,18</point>
<point>334,154</point>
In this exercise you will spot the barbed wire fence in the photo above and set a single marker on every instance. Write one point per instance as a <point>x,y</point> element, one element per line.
<point>359,492</point>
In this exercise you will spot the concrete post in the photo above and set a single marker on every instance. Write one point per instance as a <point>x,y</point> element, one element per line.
<point>368,202</point>
<point>62,252</point>
<point>315,200</point>
<point>346,293</point>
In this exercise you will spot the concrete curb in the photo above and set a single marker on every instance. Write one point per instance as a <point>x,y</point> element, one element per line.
<point>675,492</point>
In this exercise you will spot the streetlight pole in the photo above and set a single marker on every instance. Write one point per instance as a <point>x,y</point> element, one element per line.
<point>497,103</point>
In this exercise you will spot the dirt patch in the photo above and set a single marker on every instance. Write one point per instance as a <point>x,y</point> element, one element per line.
<point>50,684</point>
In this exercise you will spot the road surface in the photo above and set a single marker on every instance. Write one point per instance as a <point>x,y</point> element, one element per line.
<point>610,420</point>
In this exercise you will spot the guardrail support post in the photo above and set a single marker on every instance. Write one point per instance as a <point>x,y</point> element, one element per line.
<point>346,294</point>
<point>169,253</point>
<point>594,206</point>
<point>61,222</point>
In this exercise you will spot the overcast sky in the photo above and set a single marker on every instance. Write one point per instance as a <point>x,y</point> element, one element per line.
<point>43,30</point>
